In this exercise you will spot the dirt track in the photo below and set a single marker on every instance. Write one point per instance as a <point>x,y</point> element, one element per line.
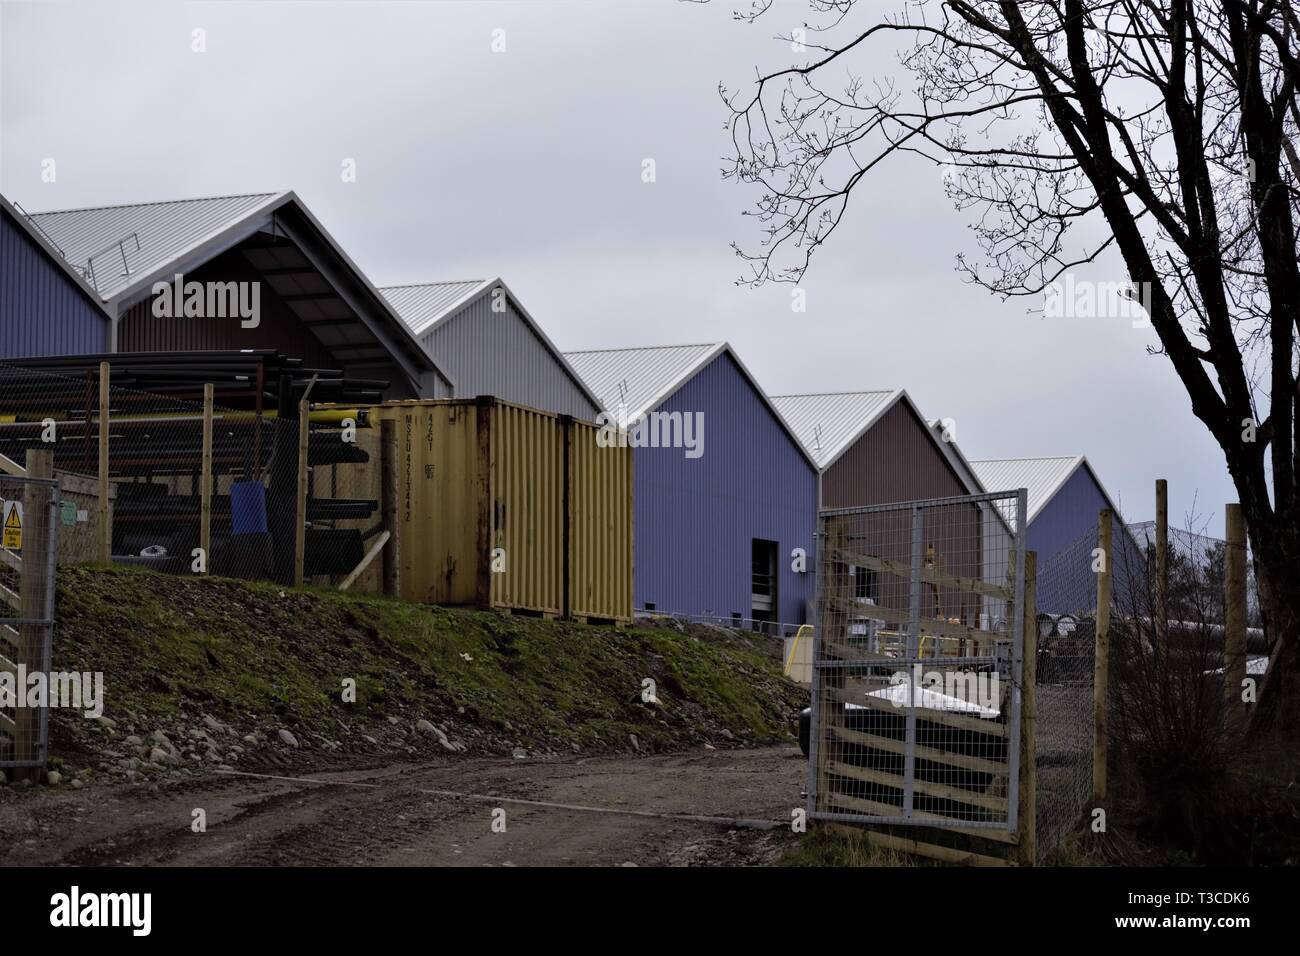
<point>387,820</point>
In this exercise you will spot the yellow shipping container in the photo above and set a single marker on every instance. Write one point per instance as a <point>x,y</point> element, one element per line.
<point>600,525</point>
<point>499,505</point>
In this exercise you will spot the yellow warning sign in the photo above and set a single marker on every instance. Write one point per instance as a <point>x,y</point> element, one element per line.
<point>13,526</point>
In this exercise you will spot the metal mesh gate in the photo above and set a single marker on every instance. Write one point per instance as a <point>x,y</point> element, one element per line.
<point>917,665</point>
<point>28,553</point>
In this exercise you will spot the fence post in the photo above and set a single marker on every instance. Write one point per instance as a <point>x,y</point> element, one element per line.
<point>32,604</point>
<point>1028,812</point>
<point>1162,569</point>
<point>105,528</point>
<point>1234,618</point>
<point>1101,659</point>
<point>205,506</point>
<point>300,512</point>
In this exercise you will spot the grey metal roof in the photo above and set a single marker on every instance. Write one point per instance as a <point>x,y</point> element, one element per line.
<point>640,378</point>
<point>176,234</point>
<point>1043,477</point>
<point>828,424</point>
<point>424,304</point>
<point>428,308</point>
<point>164,231</point>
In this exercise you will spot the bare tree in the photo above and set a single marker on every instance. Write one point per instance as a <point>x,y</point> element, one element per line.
<point>1158,130</point>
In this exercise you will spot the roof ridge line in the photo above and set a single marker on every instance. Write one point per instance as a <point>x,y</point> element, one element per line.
<point>425,285</point>
<point>1031,458</point>
<point>648,348</point>
<point>860,391</point>
<point>158,202</point>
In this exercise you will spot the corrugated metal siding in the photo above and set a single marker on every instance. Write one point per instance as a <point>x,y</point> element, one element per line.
<point>139,330</point>
<point>496,353</point>
<point>527,506</point>
<point>474,476</point>
<point>1064,533</point>
<point>42,312</point>
<point>696,518</point>
<point>896,460</point>
<point>1039,476</point>
<point>827,423</point>
<point>600,530</point>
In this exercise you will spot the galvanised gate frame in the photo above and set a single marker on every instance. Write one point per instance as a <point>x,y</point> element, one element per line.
<point>917,663</point>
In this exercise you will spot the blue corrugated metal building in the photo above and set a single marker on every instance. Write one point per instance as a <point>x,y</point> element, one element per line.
<point>1065,498</point>
<point>715,532</point>
<point>46,307</point>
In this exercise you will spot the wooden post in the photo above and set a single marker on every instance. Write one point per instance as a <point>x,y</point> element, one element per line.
<point>1028,812</point>
<point>205,506</point>
<point>105,525</point>
<point>33,600</point>
<point>1101,659</point>
<point>389,498</point>
<point>365,561</point>
<point>1234,618</point>
<point>1162,568</point>
<point>300,513</point>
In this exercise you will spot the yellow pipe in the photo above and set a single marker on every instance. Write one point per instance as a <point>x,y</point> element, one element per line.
<point>794,647</point>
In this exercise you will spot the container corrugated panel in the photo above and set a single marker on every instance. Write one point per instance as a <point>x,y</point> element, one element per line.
<point>477,475</point>
<point>600,526</point>
<point>443,502</point>
<point>527,470</point>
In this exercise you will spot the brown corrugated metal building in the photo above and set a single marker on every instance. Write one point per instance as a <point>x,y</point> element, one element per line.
<point>875,448</point>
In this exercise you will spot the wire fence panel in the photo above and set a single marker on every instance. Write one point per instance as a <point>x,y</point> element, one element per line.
<point>917,664</point>
<point>194,488</point>
<point>1066,646</point>
<point>30,510</point>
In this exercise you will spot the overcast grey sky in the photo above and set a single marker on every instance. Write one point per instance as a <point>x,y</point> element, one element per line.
<point>527,164</point>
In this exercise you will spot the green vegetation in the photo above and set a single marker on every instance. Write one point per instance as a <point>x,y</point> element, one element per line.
<point>251,651</point>
<point>824,847</point>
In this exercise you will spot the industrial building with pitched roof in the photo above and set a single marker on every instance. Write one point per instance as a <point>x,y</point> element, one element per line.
<point>314,302</point>
<point>1065,500</point>
<point>875,448</point>
<point>481,333</point>
<point>717,535</point>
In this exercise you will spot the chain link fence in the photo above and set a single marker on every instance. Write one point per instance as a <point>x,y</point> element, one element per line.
<point>1197,565</point>
<point>1066,620</point>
